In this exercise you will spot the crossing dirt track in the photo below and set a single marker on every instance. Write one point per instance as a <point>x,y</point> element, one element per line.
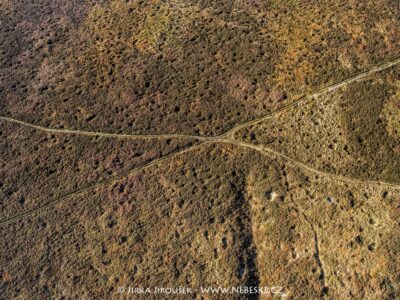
<point>150,144</point>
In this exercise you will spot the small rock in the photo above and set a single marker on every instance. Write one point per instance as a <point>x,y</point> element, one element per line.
<point>270,195</point>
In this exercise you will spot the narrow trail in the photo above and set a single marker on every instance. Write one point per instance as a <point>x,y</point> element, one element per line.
<point>96,185</point>
<point>271,152</point>
<point>104,134</point>
<point>314,96</point>
<point>226,138</point>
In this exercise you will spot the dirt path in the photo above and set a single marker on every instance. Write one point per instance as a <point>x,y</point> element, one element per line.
<point>97,185</point>
<point>103,134</point>
<point>271,152</point>
<point>317,94</point>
